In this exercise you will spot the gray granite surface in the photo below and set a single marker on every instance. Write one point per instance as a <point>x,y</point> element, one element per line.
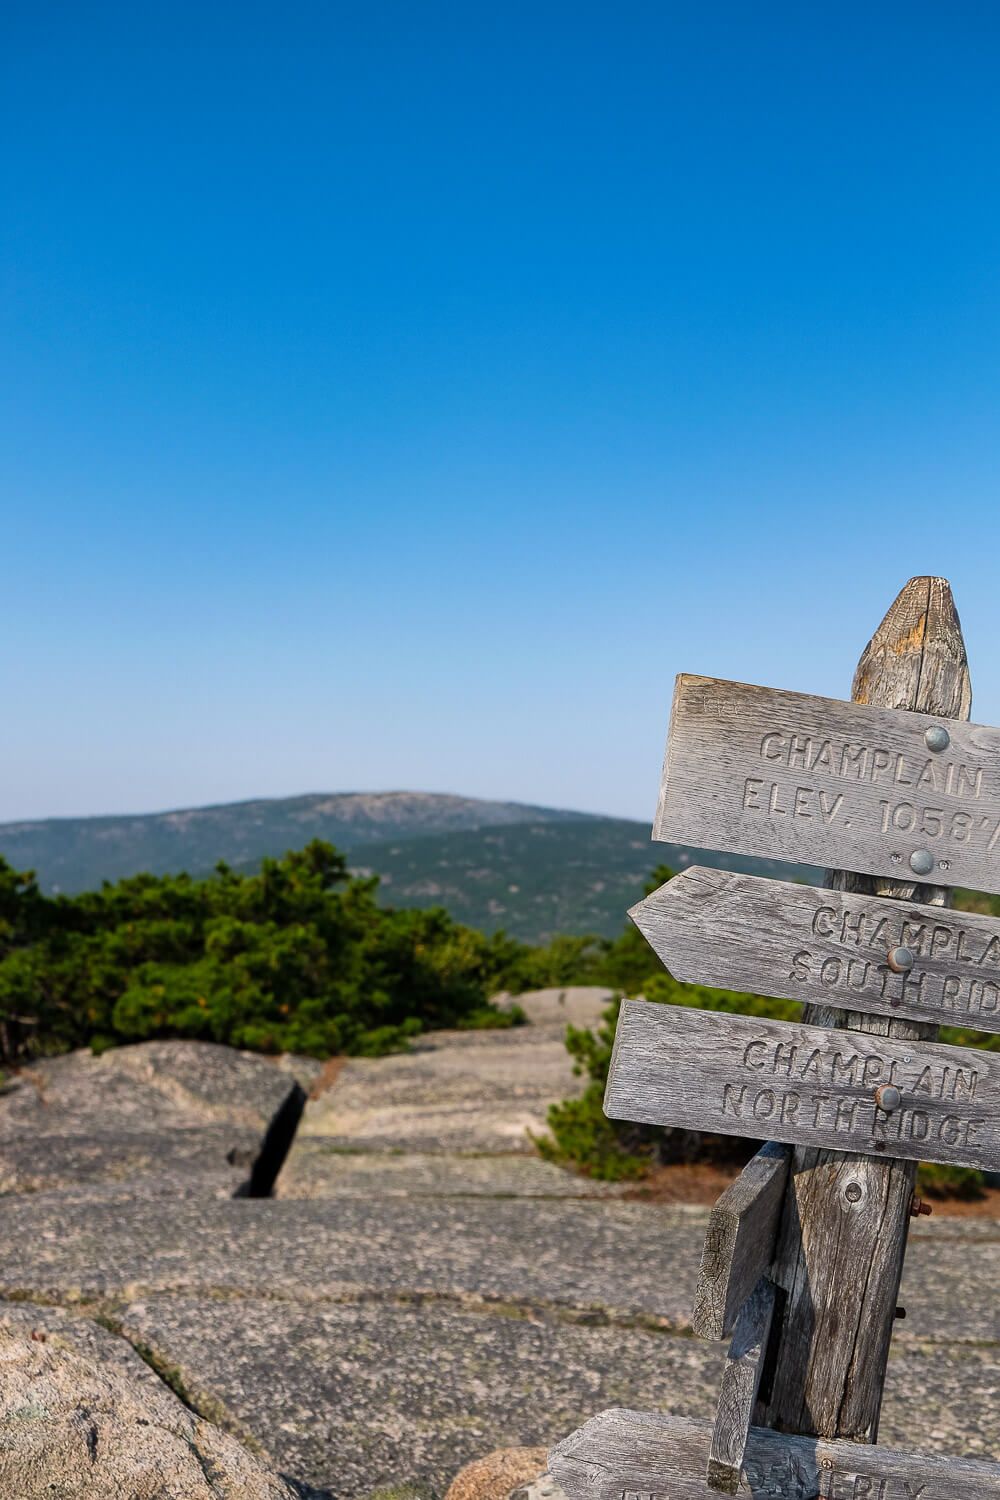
<point>84,1417</point>
<point>321,1169</point>
<point>174,1118</point>
<point>424,1288</point>
<point>464,1091</point>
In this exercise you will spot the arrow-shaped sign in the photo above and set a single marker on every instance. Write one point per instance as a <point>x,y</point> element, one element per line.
<point>805,1085</point>
<point>862,953</point>
<point>881,791</point>
<point>632,1455</point>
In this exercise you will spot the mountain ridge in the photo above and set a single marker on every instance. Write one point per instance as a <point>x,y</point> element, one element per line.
<point>534,871</point>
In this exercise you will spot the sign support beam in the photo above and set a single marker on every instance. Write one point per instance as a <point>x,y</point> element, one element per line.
<point>741,1381</point>
<point>739,1242</point>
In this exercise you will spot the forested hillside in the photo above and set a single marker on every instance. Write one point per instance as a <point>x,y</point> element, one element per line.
<point>76,854</point>
<point>531,871</point>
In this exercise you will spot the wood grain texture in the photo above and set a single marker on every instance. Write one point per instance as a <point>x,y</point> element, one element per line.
<point>839,1263</point>
<point>755,770</point>
<point>738,1392</point>
<point>630,1455</point>
<point>740,1240</point>
<point>772,937</point>
<point>805,1085</point>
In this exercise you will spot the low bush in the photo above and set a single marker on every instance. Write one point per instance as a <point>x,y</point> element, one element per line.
<point>298,957</point>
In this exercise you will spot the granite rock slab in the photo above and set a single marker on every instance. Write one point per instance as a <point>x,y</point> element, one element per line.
<point>375,1393</point>
<point>455,1091</point>
<point>588,1256</point>
<point>574,1005</point>
<point>206,1161</point>
<point>626,1259</point>
<point>317,1168</point>
<point>378,1390</point>
<point>167,1116</point>
<point>82,1417</point>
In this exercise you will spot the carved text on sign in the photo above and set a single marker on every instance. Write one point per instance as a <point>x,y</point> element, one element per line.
<point>836,1070</point>
<point>631,1455</point>
<point>832,783</point>
<point>805,1085</point>
<point>832,947</point>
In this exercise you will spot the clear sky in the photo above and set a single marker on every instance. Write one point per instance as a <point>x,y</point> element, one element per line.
<point>398,395</point>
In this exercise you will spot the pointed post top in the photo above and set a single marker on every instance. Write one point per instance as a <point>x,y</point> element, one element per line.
<point>916,658</point>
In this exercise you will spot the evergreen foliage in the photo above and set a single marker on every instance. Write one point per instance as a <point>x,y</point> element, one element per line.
<point>298,957</point>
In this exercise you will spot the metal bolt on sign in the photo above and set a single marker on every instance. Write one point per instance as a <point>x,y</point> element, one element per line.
<point>901,960</point>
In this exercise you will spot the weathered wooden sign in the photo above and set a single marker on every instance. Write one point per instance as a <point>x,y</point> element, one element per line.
<point>882,791</point>
<point>630,1455</point>
<point>860,953</point>
<point>803,1253</point>
<point>805,1085</point>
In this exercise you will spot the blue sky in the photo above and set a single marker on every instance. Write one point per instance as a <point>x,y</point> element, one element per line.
<point>398,395</point>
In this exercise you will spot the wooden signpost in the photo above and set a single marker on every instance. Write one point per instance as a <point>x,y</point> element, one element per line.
<point>753,771</point>
<point>805,1085</point>
<point>804,1253</point>
<point>630,1455</point>
<point>891,958</point>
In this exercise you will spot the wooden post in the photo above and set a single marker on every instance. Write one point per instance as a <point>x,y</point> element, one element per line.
<point>845,1219</point>
<point>744,772</point>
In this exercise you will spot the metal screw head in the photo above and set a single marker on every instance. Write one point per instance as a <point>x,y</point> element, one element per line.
<point>937,738</point>
<point>901,960</point>
<point>921,861</point>
<point>888,1097</point>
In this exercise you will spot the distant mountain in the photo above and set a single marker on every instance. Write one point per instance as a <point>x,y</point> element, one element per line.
<point>74,854</point>
<point>534,871</point>
<point>536,879</point>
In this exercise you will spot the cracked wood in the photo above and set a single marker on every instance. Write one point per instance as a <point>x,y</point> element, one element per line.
<point>738,1392</point>
<point>739,1242</point>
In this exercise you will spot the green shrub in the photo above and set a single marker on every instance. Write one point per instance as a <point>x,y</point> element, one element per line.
<point>581,1135</point>
<point>298,957</point>
<point>939,1181</point>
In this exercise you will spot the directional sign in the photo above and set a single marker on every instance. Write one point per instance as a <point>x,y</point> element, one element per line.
<point>631,1455</point>
<point>738,1075</point>
<point>885,792</point>
<point>863,953</point>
